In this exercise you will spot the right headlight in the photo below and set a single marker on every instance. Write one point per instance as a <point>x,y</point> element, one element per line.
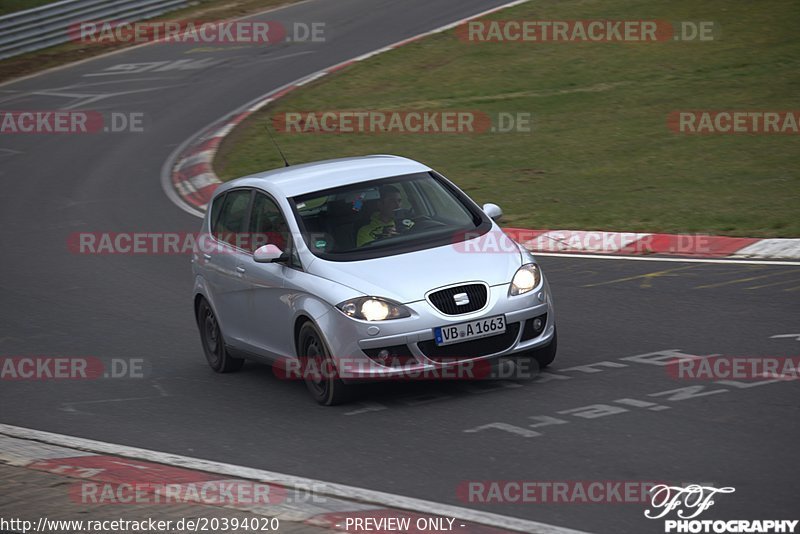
<point>525,279</point>
<point>373,309</point>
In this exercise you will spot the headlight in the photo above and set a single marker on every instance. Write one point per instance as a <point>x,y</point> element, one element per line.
<point>525,279</point>
<point>373,309</point>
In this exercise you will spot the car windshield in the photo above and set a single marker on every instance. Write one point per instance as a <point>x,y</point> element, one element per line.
<point>385,217</point>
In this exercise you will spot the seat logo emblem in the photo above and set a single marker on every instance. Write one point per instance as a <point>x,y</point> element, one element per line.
<point>461,299</point>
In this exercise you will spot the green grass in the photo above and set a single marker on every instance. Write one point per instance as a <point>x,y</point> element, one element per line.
<point>601,155</point>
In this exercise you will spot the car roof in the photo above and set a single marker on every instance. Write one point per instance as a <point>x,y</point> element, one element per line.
<point>320,175</point>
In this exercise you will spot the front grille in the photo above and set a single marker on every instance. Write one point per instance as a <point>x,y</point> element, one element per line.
<point>470,349</point>
<point>445,302</point>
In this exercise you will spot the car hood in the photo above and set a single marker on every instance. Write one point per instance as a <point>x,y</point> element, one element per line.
<point>407,277</point>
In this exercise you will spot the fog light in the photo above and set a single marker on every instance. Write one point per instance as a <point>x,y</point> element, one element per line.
<point>534,327</point>
<point>396,356</point>
<point>538,324</point>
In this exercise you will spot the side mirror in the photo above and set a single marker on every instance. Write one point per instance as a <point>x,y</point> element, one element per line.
<point>267,254</point>
<point>493,211</point>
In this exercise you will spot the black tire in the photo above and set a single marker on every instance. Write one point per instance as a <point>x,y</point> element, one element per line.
<point>326,388</point>
<point>213,343</point>
<point>545,355</point>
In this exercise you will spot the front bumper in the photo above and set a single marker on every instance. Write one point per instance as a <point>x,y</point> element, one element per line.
<point>348,339</point>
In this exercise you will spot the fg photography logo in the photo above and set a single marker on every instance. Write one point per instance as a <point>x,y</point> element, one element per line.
<point>689,502</point>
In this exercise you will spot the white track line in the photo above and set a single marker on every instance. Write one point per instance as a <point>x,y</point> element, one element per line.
<point>674,260</point>
<point>328,488</point>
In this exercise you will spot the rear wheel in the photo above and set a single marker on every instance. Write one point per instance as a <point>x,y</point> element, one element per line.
<point>320,371</point>
<point>213,342</point>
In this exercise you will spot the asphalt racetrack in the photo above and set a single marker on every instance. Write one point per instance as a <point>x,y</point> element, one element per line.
<point>423,440</point>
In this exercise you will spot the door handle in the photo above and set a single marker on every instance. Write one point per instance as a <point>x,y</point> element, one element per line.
<point>240,269</point>
<point>207,257</point>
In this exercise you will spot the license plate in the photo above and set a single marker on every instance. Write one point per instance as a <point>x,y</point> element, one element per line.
<point>456,333</point>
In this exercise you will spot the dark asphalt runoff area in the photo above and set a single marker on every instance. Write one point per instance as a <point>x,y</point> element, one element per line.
<point>424,440</point>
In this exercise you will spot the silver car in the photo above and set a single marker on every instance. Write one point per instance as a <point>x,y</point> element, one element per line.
<point>375,267</point>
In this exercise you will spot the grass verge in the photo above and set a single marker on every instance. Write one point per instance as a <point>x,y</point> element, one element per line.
<point>601,155</point>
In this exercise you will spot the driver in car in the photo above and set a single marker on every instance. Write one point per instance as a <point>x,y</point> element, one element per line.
<point>381,223</point>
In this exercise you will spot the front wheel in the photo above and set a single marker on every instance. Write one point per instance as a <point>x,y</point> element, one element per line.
<point>320,375</point>
<point>213,342</point>
<point>544,356</point>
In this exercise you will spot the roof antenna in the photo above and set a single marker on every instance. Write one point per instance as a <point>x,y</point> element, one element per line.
<point>269,131</point>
